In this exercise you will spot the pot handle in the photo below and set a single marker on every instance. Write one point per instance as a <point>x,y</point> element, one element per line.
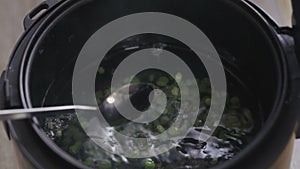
<point>2,101</point>
<point>38,11</point>
<point>296,31</point>
<point>2,94</point>
<point>288,43</point>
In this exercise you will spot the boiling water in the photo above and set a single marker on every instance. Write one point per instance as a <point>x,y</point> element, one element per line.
<point>238,127</point>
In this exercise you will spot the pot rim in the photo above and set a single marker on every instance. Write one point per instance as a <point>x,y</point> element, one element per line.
<point>243,6</point>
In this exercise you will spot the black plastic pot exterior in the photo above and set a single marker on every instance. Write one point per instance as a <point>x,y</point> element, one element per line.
<point>261,154</point>
<point>296,25</point>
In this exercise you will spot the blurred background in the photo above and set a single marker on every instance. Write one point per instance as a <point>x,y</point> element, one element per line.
<point>11,28</point>
<point>279,10</point>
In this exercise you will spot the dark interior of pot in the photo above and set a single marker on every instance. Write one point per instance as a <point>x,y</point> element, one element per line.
<point>250,61</point>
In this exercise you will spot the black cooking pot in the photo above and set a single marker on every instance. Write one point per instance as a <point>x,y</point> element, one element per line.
<point>265,54</point>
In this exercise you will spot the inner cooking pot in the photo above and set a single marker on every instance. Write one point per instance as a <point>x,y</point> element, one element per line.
<point>253,51</point>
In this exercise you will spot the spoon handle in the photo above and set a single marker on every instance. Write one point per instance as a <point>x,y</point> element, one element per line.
<point>17,114</point>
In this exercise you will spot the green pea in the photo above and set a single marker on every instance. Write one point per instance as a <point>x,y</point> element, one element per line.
<point>178,77</point>
<point>105,164</point>
<point>248,114</point>
<point>50,125</point>
<point>184,127</point>
<point>89,161</point>
<point>74,149</point>
<point>149,164</point>
<point>162,81</point>
<point>151,78</point>
<point>235,101</point>
<point>118,129</point>
<point>99,95</point>
<point>175,91</point>
<point>101,70</point>
<point>80,118</point>
<point>135,80</point>
<point>58,134</point>
<point>185,90</point>
<point>202,88</point>
<point>236,134</point>
<point>84,124</point>
<point>87,145</point>
<point>206,81</point>
<point>207,101</point>
<point>233,121</point>
<point>173,131</point>
<point>165,112</point>
<point>160,128</point>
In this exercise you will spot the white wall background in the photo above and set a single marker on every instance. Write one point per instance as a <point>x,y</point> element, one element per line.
<point>280,10</point>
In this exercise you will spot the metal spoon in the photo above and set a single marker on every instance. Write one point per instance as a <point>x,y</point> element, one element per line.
<point>139,93</point>
<point>18,114</point>
<point>109,110</point>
